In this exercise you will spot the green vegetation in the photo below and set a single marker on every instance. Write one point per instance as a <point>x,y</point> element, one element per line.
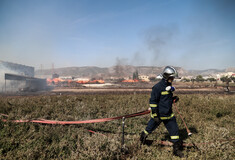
<point>233,79</point>
<point>211,79</point>
<point>209,117</point>
<point>185,80</point>
<point>199,78</point>
<point>135,75</point>
<point>226,79</point>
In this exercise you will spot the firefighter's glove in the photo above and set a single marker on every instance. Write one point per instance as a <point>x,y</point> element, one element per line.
<point>175,99</point>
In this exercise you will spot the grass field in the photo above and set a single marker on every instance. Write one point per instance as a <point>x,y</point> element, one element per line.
<point>210,118</point>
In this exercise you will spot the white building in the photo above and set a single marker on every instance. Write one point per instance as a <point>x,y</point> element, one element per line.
<point>229,74</point>
<point>144,78</point>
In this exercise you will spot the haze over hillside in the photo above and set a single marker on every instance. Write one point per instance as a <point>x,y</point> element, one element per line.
<point>122,71</point>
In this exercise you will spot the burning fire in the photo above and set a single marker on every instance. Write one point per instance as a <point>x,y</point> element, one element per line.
<point>131,80</point>
<point>56,81</point>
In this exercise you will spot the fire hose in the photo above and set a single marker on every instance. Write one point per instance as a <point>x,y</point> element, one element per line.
<point>44,121</point>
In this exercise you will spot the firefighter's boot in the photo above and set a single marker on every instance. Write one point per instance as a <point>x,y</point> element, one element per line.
<point>177,149</point>
<point>143,137</point>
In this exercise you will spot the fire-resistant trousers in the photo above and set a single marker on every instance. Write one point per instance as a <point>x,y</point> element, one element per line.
<point>170,124</point>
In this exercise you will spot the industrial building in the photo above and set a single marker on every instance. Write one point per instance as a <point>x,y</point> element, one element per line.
<point>17,77</point>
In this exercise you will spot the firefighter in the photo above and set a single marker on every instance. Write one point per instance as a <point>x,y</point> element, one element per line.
<point>161,110</point>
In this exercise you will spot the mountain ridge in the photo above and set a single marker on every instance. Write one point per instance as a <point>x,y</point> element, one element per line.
<point>124,71</point>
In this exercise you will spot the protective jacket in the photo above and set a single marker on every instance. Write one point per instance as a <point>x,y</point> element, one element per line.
<point>161,100</point>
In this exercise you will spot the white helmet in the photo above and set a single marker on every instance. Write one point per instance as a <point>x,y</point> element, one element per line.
<point>168,72</point>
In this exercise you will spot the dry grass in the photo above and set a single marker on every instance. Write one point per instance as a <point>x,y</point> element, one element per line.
<point>210,118</point>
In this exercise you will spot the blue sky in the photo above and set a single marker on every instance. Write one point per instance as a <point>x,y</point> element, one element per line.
<point>194,34</point>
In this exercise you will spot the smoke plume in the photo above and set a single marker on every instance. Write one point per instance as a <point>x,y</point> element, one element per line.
<point>159,40</point>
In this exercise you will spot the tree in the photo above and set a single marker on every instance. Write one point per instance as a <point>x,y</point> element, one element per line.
<point>233,79</point>
<point>211,79</point>
<point>193,80</point>
<point>225,79</point>
<point>199,78</point>
<point>136,75</point>
<point>185,80</point>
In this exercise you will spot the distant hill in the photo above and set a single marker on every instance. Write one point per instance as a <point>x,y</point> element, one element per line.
<point>87,71</point>
<point>231,69</point>
<point>122,71</point>
<point>204,72</point>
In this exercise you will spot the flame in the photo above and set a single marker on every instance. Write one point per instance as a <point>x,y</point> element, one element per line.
<point>56,81</point>
<point>131,80</point>
<point>97,81</point>
<point>82,81</point>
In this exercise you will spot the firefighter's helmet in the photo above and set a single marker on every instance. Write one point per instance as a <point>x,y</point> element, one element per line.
<point>168,72</point>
